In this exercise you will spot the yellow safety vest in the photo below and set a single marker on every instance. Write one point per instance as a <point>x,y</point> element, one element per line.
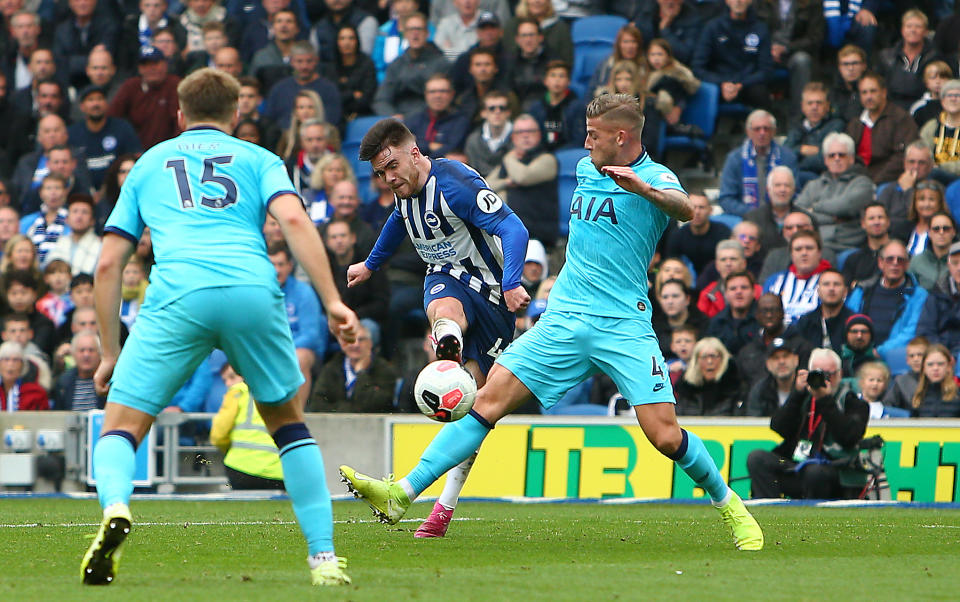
<point>252,449</point>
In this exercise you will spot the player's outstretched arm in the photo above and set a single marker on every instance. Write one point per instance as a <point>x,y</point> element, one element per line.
<point>305,243</point>
<point>672,202</point>
<point>114,253</point>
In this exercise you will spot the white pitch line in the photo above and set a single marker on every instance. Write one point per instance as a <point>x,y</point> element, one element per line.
<point>212,523</point>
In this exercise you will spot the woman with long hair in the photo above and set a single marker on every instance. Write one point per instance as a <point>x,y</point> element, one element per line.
<point>671,269</point>
<point>673,83</point>
<point>710,385</point>
<point>627,47</point>
<point>936,394</point>
<point>928,200</point>
<point>353,72</point>
<point>306,105</point>
<point>674,309</point>
<point>331,169</point>
<point>110,191</point>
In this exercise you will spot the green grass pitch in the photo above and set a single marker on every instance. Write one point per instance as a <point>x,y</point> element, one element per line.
<point>225,551</point>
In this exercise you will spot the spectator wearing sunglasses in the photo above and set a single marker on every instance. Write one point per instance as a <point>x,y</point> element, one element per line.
<point>836,198</point>
<point>894,300</point>
<point>488,143</point>
<point>931,265</point>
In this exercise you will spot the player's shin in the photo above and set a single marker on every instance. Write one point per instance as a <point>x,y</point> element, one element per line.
<point>693,458</point>
<point>306,485</point>
<point>456,479</point>
<point>114,464</point>
<point>455,442</point>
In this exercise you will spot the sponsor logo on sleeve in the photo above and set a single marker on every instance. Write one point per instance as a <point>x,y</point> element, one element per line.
<point>488,201</point>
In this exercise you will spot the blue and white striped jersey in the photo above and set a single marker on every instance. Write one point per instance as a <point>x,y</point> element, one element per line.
<point>456,224</point>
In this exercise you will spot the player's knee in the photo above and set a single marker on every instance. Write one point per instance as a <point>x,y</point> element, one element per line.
<point>448,308</point>
<point>306,358</point>
<point>666,438</point>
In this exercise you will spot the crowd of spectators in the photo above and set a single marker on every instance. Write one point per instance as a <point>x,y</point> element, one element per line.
<point>837,231</point>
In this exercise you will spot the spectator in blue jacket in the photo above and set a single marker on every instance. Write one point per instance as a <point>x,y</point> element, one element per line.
<point>894,301</point>
<point>734,53</point>
<point>102,138</point>
<point>675,21</point>
<point>742,182</point>
<point>303,313</point>
<point>439,127</point>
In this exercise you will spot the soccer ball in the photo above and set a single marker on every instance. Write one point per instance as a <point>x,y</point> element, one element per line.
<point>445,391</point>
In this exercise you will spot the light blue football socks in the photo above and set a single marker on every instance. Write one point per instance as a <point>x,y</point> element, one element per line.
<point>693,458</point>
<point>306,484</point>
<point>454,443</point>
<point>114,463</point>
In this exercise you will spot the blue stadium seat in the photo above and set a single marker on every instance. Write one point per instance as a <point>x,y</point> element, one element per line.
<point>953,198</point>
<point>586,57</point>
<point>701,110</point>
<point>351,150</point>
<point>598,28</point>
<point>358,127</point>
<point>727,219</point>
<point>842,257</point>
<point>896,360</point>
<point>733,109</point>
<point>567,160</point>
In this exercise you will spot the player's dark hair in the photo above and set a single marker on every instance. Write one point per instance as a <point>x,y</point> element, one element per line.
<point>81,279</point>
<point>208,95</point>
<point>24,278</point>
<point>280,246</point>
<point>386,132</point>
<point>15,317</point>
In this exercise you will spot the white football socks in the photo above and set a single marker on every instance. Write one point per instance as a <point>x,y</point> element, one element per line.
<point>443,327</point>
<point>456,479</point>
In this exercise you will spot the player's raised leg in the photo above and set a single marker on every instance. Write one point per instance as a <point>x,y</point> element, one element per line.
<point>455,442</point>
<point>306,484</point>
<point>659,424</point>
<point>442,513</point>
<point>114,464</point>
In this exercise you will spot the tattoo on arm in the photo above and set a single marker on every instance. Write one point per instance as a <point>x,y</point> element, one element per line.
<point>672,202</point>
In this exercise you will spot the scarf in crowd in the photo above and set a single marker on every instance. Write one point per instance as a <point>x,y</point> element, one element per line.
<point>748,161</point>
<point>13,397</point>
<point>839,22</point>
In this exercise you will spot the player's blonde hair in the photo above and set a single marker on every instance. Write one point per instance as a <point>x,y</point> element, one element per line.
<point>209,95</point>
<point>624,109</point>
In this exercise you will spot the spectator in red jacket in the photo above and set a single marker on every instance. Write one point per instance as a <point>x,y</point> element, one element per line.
<point>15,394</point>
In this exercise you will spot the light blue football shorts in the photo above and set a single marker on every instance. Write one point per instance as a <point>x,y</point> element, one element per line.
<point>563,349</point>
<point>165,346</point>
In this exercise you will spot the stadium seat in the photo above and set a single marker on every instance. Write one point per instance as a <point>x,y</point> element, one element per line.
<point>733,109</point>
<point>842,257</point>
<point>701,110</point>
<point>953,198</point>
<point>727,219</point>
<point>586,57</point>
<point>598,28</point>
<point>567,160</point>
<point>358,127</point>
<point>896,360</point>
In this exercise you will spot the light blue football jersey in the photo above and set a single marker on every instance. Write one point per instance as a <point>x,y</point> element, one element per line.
<point>613,235</point>
<point>204,196</point>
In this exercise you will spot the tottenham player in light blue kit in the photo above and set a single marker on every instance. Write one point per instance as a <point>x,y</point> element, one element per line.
<point>474,247</point>
<point>598,320</point>
<point>205,195</point>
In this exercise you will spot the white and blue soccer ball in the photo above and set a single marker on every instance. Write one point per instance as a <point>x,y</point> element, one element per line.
<point>445,391</point>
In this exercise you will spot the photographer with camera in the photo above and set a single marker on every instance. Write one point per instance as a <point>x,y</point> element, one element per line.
<point>820,431</point>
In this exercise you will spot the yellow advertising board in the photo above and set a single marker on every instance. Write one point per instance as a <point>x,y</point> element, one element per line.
<point>610,458</point>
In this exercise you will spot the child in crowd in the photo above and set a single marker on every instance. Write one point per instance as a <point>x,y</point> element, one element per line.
<point>682,340</point>
<point>900,393</point>
<point>673,83</point>
<point>56,303</point>
<point>133,288</point>
<point>935,74</point>
<point>21,297</point>
<point>44,227</point>
<point>873,378</point>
